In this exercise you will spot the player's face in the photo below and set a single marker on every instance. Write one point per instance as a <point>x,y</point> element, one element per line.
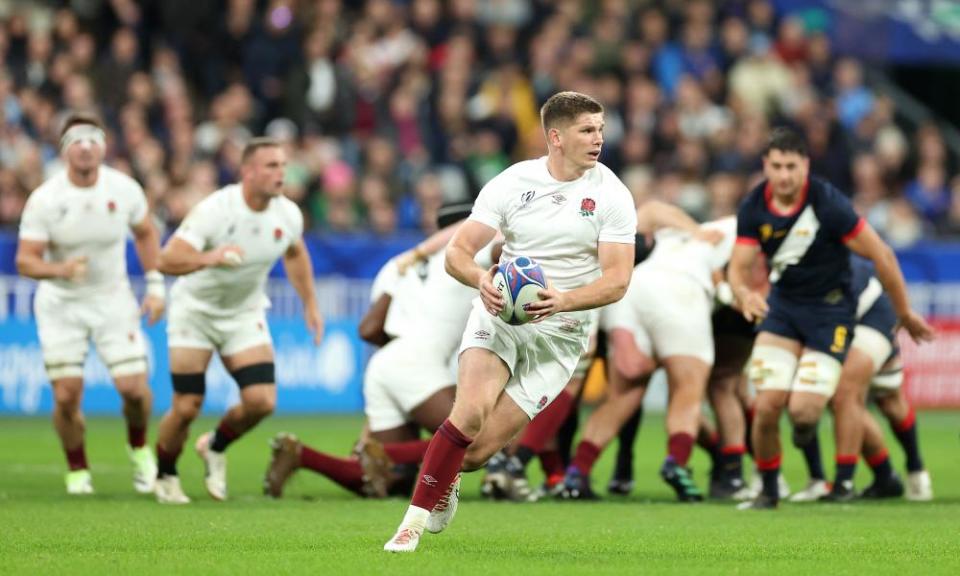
<point>265,170</point>
<point>84,155</point>
<point>581,140</point>
<point>786,172</point>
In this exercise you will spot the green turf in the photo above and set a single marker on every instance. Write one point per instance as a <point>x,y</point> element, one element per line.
<point>321,529</point>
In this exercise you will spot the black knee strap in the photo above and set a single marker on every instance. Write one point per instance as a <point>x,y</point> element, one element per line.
<point>190,383</point>
<point>262,373</point>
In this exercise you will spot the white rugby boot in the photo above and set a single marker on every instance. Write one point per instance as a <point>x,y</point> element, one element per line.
<point>408,534</point>
<point>812,492</point>
<point>144,469</point>
<point>79,482</point>
<point>442,514</point>
<point>216,466</point>
<point>919,487</point>
<point>168,491</point>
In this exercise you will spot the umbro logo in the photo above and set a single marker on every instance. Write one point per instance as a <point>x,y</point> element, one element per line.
<point>481,334</point>
<point>429,480</point>
<point>559,199</point>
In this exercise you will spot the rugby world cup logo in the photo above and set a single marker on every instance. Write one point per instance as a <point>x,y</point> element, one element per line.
<point>587,207</point>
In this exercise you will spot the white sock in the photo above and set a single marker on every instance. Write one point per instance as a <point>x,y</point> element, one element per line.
<point>415,517</point>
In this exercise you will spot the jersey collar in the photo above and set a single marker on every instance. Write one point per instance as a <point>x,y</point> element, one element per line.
<point>768,198</point>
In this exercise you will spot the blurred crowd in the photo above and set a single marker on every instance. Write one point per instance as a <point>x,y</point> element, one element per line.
<point>391,107</point>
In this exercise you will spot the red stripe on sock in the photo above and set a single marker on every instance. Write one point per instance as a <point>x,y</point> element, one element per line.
<point>772,463</point>
<point>846,459</point>
<point>77,458</point>
<point>547,423</point>
<point>407,452</point>
<point>442,462</point>
<point>878,458</point>
<point>345,472</point>
<point>679,447</point>
<point>733,450</point>
<point>907,422</point>
<point>136,436</point>
<point>586,456</point>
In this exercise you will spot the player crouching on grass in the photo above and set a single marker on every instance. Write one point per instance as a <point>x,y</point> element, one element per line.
<point>72,239</point>
<point>223,252</point>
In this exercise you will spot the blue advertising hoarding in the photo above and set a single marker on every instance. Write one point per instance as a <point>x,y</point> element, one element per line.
<point>327,378</point>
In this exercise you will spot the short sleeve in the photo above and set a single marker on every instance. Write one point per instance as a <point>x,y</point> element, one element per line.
<point>838,216</point>
<point>199,226</point>
<point>34,224</point>
<point>747,232</point>
<point>138,203</point>
<point>619,222</point>
<point>488,208</point>
<point>386,281</point>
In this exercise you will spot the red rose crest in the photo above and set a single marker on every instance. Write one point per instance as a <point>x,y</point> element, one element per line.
<point>277,234</point>
<point>111,206</point>
<point>587,206</point>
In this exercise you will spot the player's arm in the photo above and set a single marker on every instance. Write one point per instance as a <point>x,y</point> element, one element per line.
<point>299,269</point>
<point>424,250</point>
<point>372,324</point>
<point>616,266</point>
<point>751,303</point>
<point>655,214</point>
<point>30,263</point>
<point>146,241</point>
<point>459,262</point>
<point>179,257</point>
<point>868,244</point>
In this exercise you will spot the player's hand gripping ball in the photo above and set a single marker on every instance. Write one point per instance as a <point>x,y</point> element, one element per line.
<point>518,280</point>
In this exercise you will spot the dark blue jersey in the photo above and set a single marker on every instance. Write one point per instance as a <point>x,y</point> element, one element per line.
<point>806,247</point>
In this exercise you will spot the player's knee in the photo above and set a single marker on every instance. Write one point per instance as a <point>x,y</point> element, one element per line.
<point>67,396</point>
<point>187,406</point>
<point>805,415</point>
<point>771,368</point>
<point>261,406</point>
<point>132,389</point>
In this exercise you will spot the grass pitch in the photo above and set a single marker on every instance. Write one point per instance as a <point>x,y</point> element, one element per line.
<point>319,528</point>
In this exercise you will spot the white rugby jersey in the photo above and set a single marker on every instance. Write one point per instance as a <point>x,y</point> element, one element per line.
<point>407,294</point>
<point>558,224</point>
<point>92,222</point>
<point>224,218</point>
<point>426,302</point>
<point>679,252</point>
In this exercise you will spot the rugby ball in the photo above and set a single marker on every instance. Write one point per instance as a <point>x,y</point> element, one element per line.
<point>518,280</point>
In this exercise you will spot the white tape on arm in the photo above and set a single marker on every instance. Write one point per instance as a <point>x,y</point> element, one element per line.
<point>155,284</point>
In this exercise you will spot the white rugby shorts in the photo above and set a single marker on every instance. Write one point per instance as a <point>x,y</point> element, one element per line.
<point>541,357</point>
<point>668,314</point>
<point>66,325</point>
<point>188,328</point>
<point>401,376</point>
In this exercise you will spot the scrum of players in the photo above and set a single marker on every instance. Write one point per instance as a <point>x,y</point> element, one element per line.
<point>811,324</point>
<point>684,312</point>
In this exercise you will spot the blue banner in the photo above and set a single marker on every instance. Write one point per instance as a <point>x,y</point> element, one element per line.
<point>328,378</point>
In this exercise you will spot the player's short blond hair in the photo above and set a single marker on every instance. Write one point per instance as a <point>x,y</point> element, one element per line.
<point>256,144</point>
<point>564,107</point>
